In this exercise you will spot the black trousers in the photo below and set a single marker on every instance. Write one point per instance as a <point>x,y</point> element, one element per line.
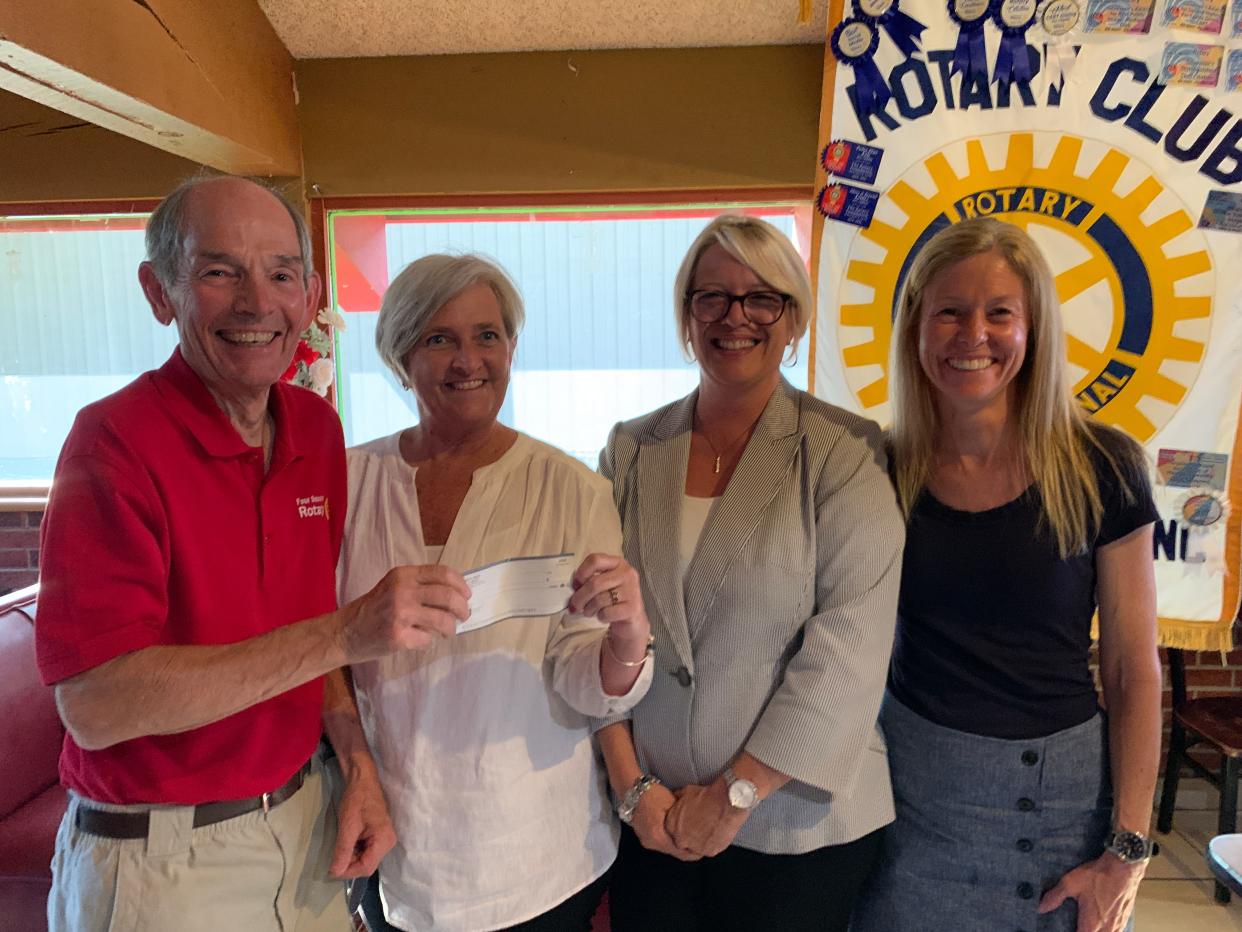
<point>739,889</point>
<point>572,915</point>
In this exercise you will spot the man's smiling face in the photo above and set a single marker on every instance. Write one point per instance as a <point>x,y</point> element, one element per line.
<point>240,298</point>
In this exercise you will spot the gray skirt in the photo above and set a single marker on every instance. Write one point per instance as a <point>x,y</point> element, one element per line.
<point>984,826</point>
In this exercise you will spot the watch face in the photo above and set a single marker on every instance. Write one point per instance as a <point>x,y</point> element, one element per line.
<point>742,794</point>
<point>1129,846</point>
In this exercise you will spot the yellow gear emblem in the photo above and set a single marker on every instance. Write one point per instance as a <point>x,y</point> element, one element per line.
<point>1136,326</point>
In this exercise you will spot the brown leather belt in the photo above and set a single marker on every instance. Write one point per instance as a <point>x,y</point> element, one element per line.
<point>107,824</point>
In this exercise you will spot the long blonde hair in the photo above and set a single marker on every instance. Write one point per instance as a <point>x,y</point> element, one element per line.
<point>1055,435</point>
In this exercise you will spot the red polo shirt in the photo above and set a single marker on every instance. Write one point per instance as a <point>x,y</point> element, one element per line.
<point>162,528</point>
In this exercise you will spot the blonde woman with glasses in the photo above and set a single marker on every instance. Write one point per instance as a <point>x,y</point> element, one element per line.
<point>768,542</point>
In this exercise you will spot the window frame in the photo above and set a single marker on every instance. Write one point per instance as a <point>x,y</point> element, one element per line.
<point>320,206</point>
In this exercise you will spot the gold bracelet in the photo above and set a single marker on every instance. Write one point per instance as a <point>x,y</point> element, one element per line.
<point>631,663</point>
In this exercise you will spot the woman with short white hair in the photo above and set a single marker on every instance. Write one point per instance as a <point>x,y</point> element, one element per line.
<point>483,741</point>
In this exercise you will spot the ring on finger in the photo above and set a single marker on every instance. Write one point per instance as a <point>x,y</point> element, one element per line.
<point>614,596</point>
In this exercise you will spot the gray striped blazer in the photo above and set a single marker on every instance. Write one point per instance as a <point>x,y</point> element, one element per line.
<point>778,641</point>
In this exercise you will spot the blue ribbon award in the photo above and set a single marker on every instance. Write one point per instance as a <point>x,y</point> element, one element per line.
<point>854,42</point>
<point>1013,18</point>
<point>970,58</point>
<point>905,31</point>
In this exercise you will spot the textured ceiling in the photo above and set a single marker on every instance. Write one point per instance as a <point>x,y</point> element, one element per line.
<point>362,28</point>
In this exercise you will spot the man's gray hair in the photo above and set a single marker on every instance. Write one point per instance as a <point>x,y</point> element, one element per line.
<point>423,287</point>
<point>165,236</point>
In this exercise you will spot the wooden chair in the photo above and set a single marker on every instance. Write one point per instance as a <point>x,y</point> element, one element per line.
<point>1215,721</point>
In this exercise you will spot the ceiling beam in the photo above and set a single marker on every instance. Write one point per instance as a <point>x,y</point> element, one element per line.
<point>210,82</point>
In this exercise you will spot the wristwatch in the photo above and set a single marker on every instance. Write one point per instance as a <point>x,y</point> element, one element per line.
<point>629,802</point>
<point>742,793</point>
<point>1131,847</point>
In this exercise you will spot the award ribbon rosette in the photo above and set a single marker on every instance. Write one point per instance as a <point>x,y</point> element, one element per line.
<point>905,31</point>
<point>1013,18</point>
<point>854,42</point>
<point>1058,25</point>
<point>970,58</point>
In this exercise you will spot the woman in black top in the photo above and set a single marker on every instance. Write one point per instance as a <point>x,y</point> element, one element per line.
<point>1018,805</point>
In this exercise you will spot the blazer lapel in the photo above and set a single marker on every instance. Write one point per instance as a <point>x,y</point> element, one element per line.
<point>761,473</point>
<point>661,465</point>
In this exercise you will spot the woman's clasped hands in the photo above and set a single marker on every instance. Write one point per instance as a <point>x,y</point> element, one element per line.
<point>689,823</point>
<point>702,820</point>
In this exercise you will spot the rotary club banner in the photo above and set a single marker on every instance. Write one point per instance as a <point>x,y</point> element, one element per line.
<point>1109,130</point>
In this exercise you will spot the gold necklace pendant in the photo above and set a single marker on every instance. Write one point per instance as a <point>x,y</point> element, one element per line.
<point>729,448</point>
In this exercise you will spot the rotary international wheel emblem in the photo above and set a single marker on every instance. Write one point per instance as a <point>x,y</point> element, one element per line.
<point>1133,275</point>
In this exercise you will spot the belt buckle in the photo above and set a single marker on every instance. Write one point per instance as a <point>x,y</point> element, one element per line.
<point>267,802</point>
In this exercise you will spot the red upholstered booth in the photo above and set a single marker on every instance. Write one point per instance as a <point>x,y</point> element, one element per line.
<point>31,798</point>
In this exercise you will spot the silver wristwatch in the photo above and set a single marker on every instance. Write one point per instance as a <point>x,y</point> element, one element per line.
<point>742,793</point>
<point>629,802</point>
<point>1131,847</point>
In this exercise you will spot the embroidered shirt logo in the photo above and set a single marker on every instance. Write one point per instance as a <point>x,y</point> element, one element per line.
<point>313,506</point>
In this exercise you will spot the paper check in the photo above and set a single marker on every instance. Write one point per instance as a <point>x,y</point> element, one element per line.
<point>518,587</point>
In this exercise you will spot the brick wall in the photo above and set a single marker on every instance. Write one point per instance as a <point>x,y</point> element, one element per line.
<point>19,549</point>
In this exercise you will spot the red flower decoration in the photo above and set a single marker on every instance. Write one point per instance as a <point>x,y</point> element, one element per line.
<point>303,354</point>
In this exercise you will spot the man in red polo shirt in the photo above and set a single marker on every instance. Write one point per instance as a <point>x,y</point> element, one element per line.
<point>187,611</point>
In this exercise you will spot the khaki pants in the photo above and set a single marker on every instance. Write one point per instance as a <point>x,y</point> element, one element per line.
<point>260,872</point>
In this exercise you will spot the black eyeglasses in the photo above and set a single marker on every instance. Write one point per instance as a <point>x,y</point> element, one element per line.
<point>760,307</point>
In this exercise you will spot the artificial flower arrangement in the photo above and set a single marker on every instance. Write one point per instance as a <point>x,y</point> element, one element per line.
<point>312,365</point>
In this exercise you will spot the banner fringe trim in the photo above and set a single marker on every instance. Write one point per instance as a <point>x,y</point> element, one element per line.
<point>1196,635</point>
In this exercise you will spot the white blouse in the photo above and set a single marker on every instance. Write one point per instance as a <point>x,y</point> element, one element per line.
<point>483,741</point>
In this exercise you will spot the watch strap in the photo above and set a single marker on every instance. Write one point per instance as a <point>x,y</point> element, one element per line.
<point>629,802</point>
<point>1131,847</point>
